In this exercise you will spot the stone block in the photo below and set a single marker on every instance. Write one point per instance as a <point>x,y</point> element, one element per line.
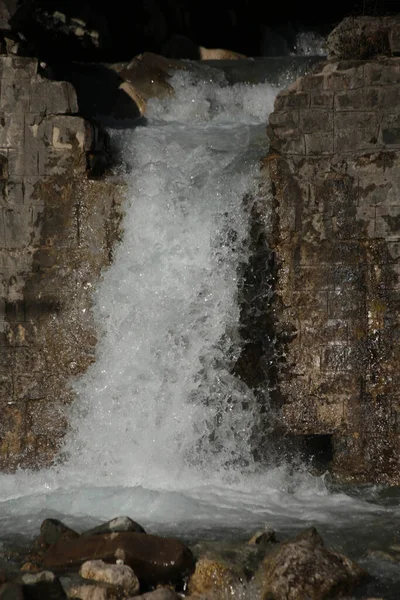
<point>322,99</point>
<point>313,120</point>
<point>18,67</point>
<point>14,311</point>
<point>11,130</point>
<point>382,73</point>
<point>34,189</point>
<point>356,131</point>
<point>52,97</point>
<point>18,225</point>
<point>350,79</point>
<point>6,383</point>
<point>346,303</point>
<point>390,130</point>
<point>14,96</point>
<point>336,358</point>
<point>311,82</point>
<point>319,143</point>
<point>12,192</point>
<point>287,101</point>
<point>387,222</point>
<point>394,250</point>
<point>23,162</point>
<point>285,119</point>
<point>367,215</point>
<point>394,39</point>
<point>290,145</point>
<point>371,98</point>
<point>330,415</point>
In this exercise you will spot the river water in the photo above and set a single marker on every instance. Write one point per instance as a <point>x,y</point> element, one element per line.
<point>162,429</point>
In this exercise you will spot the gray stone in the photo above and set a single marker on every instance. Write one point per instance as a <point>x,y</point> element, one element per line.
<point>52,97</point>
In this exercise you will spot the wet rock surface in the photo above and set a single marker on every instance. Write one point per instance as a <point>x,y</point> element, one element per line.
<point>53,214</point>
<point>300,568</point>
<point>334,162</point>
<point>303,568</point>
<point>153,559</point>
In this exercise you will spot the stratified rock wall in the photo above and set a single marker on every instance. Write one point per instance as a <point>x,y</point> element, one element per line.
<point>335,169</point>
<point>57,228</point>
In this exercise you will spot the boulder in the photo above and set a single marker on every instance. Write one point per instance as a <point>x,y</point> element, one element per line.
<point>145,76</point>
<point>303,569</point>
<point>117,575</point>
<point>216,577</point>
<point>51,530</point>
<point>154,559</point>
<point>365,37</point>
<point>117,525</point>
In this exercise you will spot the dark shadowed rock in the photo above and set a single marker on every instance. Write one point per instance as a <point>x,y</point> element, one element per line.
<point>51,530</point>
<point>302,568</point>
<point>42,586</point>
<point>117,525</point>
<point>154,559</point>
<point>11,591</point>
<point>365,37</point>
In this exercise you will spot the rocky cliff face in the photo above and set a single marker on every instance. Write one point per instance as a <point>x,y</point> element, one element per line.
<point>57,228</point>
<point>335,165</point>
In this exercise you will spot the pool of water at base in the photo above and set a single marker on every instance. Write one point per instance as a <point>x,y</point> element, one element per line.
<point>362,522</point>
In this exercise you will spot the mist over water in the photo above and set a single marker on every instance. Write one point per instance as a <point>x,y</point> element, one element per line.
<point>161,429</point>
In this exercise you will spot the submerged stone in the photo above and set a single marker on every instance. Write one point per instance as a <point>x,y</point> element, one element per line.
<point>154,559</point>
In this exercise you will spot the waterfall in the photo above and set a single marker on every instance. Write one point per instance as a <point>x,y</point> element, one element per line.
<point>165,424</point>
<point>161,402</point>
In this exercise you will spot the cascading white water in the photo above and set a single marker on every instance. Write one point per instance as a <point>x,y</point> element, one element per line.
<point>161,404</point>
<point>161,428</point>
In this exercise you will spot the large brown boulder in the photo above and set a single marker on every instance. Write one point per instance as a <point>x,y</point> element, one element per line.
<point>154,559</point>
<point>303,569</point>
